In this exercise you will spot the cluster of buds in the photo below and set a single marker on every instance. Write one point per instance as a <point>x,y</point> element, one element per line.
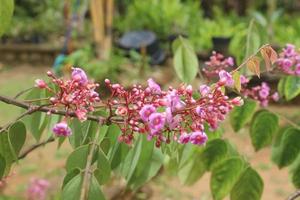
<point>217,62</point>
<point>289,60</point>
<point>76,95</point>
<point>261,93</point>
<point>175,114</point>
<point>37,189</point>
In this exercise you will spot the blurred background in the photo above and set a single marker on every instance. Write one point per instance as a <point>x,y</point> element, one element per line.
<point>129,41</point>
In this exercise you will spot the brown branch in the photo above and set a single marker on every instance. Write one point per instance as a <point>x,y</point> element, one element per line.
<point>33,108</point>
<point>294,196</point>
<point>26,152</point>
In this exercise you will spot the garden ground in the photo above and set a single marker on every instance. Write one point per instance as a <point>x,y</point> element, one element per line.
<point>47,162</point>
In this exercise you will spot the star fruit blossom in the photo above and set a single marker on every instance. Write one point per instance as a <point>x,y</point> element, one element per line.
<point>261,93</point>
<point>161,115</point>
<point>289,60</point>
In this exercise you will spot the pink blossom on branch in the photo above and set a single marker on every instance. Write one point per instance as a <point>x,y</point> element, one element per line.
<point>161,115</point>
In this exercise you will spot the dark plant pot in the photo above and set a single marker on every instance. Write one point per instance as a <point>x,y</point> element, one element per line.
<point>136,40</point>
<point>221,44</point>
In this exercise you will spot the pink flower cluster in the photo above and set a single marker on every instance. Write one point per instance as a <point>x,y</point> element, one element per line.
<point>289,60</point>
<point>174,114</point>
<point>261,93</point>
<point>217,63</point>
<point>169,115</point>
<point>76,95</point>
<point>37,189</point>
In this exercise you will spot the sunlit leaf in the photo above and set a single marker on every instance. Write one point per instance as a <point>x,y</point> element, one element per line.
<point>185,61</point>
<point>237,80</point>
<point>103,170</point>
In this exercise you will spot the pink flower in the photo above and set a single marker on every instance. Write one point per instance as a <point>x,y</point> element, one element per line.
<point>184,138</point>
<point>189,89</point>
<point>275,96</point>
<point>62,129</point>
<point>174,102</point>
<point>37,189</point>
<point>79,76</point>
<point>146,111</point>
<point>226,78</point>
<point>154,87</point>
<point>263,93</point>
<point>204,90</point>
<point>121,111</point>
<point>81,114</point>
<point>156,122</point>
<point>230,61</point>
<point>40,83</point>
<point>244,79</point>
<point>172,121</point>
<point>198,138</point>
<point>200,111</point>
<point>237,101</point>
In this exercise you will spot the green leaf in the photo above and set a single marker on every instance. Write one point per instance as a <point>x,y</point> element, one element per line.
<point>241,115</point>
<point>248,187</point>
<point>17,136</point>
<point>224,176</point>
<point>70,176</point>
<point>145,171</point>
<point>103,171</point>
<point>105,145</point>
<point>280,86</point>
<point>6,151</point>
<point>95,192</point>
<point>185,61</point>
<point>6,12</point>
<point>237,80</point>
<point>287,148</point>
<point>132,159</point>
<point>33,121</point>
<point>296,173</point>
<point>149,162</point>
<point>79,130</point>
<point>118,151</point>
<point>263,127</point>
<point>2,166</point>
<point>78,158</point>
<point>72,189</point>
<point>215,151</point>
<point>291,87</point>
<point>192,169</point>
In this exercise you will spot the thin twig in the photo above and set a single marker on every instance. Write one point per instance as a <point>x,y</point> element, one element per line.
<point>87,173</point>
<point>26,152</point>
<point>294,196</point>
